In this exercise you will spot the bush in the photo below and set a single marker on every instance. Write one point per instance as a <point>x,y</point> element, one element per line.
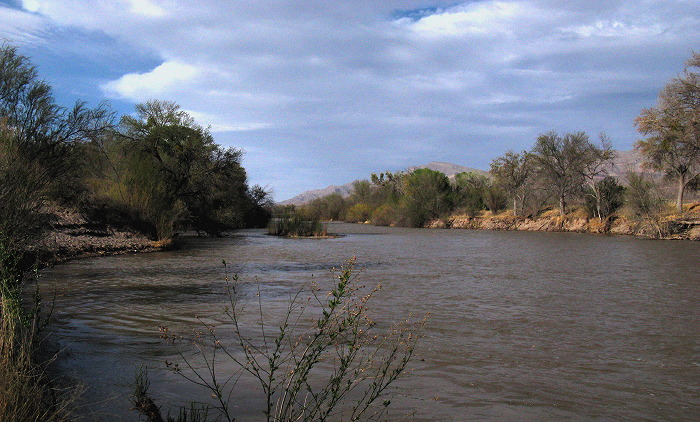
<point>333,368</point>
<point>611,198</point>
<point>384,215</point>
<point>296,226</point>
<point>359,213</point>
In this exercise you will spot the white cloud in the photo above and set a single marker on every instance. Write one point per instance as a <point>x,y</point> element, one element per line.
<point>146,7</point>
<point>20,27</point>
<point>156,83</point>
<point>487,17</point>
<point>615,29</point>
<point>218,124</point>
<point>306,78</point>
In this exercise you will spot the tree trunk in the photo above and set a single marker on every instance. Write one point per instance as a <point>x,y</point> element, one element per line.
<point>515,206</point>
<point>681,191</point>
<point>562,205</point>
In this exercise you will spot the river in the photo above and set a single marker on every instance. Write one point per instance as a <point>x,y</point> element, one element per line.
<point>522,325</point>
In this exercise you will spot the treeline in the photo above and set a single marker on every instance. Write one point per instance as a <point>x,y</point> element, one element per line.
<point>560,171</point>
<point>157,170</point>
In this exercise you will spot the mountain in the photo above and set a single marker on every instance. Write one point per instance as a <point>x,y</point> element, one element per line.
<point>309,195</point>
<point>345,190</point>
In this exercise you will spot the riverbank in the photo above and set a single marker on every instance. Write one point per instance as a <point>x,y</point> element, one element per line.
<point>671,227</point>
<point>72,235</point>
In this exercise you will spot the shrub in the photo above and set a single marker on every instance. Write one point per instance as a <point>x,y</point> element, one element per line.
<point>334,368</point>
<point>359,213</point>
<point>296,226</point>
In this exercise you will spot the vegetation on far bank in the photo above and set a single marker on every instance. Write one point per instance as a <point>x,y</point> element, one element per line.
<point>563,172</point>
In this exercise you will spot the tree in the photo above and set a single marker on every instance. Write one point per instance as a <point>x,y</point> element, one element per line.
<point>672,130</point>
<point>563,162</point>
<point>469,192</point>
<point>606,199</point>
<point>43,132</point>
<point>511,173</point>
<point>38,141</point>
<point>179,177</point>
<point>426,196</point>
<point>593,168</point>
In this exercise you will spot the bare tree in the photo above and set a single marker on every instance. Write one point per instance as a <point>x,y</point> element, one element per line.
<point>511,173</point>
<point>673,130</point>
<point>563,162</point>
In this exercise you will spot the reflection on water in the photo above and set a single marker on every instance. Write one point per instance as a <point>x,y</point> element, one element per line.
<point>523,326</point>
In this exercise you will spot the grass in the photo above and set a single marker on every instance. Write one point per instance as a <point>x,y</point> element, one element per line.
<point>25,391</point>
<point>296,226</point>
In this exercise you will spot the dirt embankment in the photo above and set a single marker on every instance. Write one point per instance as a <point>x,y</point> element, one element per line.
<point>72,235</point>
<point>687,227</point>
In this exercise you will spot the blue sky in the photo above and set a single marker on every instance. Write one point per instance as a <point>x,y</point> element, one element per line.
<point>325,92</point>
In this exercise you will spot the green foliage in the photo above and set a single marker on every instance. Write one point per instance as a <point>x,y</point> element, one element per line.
<point>296,225</point>
<point>426,196</point>
<point>611,195</point>
<point>494,198</point>
<point>166,173</point>
<point>469,192</point>
<point>329,207</point>
<point>359,213</point>
<point>384,215</point>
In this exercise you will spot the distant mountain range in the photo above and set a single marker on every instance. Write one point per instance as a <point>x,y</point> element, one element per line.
<point>624,162</point>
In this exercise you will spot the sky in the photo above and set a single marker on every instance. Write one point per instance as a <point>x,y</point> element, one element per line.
<point>325,92</point>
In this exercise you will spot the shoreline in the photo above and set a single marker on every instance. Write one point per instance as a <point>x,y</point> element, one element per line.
<point>669,229</point>
<point>71,236</point>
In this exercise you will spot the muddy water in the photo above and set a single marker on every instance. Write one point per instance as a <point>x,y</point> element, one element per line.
<point>523,326</point>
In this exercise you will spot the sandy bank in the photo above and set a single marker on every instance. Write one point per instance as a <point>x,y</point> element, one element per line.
<point>687,228</point>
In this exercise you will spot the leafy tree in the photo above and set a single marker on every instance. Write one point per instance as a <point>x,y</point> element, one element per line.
<point>427,196</point>
<point>469,192</point>
<point>494,198</point>
<point>329,207</point>
<point>43,132</point>
<point>177,176</point>
<point>389,187</point>
<point>511,173</point>
<point>672,130</point>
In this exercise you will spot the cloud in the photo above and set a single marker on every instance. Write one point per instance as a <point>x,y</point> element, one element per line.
<point>323,83</point>
<point>478,18</point>
<point>146,7</point>
<point>615,29</point>
<point>217,124</point>
<point>20,27</point>
<point>156,83</point>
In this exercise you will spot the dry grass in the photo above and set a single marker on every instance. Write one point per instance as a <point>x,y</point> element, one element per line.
<point>25,392</point>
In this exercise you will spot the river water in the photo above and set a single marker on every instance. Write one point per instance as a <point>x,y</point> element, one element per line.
<point>522,325</point>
